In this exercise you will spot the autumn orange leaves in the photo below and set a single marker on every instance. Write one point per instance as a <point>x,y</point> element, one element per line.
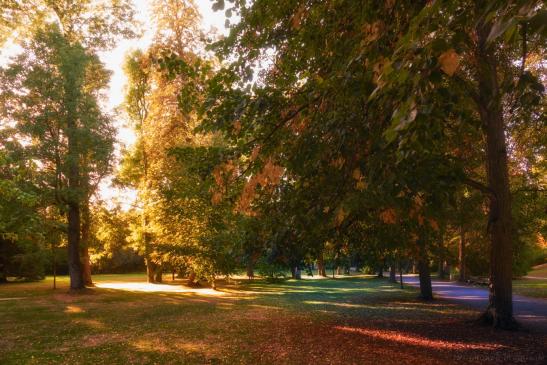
<point>449,61</point>
<point>267,179</point>
<point>416,212</point>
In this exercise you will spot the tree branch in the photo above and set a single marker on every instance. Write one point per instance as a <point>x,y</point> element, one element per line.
<point>478,185</point>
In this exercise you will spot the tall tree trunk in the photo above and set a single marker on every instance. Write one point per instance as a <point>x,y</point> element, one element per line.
<point>461,255</point>
<point>192,279</point>
<point>250,269</point>
<point>321,271</point>
<point>150,270</point>
<point>441,269</point>
<point>74,267</point>
<point>401,274</point>
<point>426,291</point>
<point>86,232</point>
<point>392,273</point>
<point>151,266</point>
<point>500,309</point>
<point>158,274</point>
<point>3,274</point>
<point>380,271</point>
<point>73,73</point>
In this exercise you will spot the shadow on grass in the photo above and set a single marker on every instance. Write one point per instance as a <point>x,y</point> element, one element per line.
<point>347,320</point>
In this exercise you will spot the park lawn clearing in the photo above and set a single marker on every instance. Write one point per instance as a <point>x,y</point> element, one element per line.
<point>350,320</point>
<point>534,284</point>
<point>536,288</point>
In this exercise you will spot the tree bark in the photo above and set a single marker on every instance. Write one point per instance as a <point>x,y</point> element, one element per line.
<point>392,273</point>
<point>86,232</point>
<point>158,274</point>
<point>380,271</point>
<point>441,269</point>
<point>461,256</point>
<point>150,268</point>
<point>3,275</point>
<point>72,74</point>
<point>321,271</point>
<point>192,279</point>
<point>500,309</point>
<point>401,274</point>
<point>250,269</point>
<point>426,291</point>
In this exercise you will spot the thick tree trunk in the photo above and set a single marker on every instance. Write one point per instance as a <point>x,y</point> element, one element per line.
<point>321,271</point>
<point>500,309</point>
<point>461,255</point>
<point>392,273</point>
<point>150,269</point>
<point>74,267</point>
<point>151,266</point>
<point>3,275</point>
<point>441,269</point>
<point>250,269</point>
<point>72,84</point>
<point>380,271</point>
<point>86,267</point>
<point>158,274</point>
<point>86,232</point>
<point>192,279</point>
<point>426,291</point>
<point>401,274</point>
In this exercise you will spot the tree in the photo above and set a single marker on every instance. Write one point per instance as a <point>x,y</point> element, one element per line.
<point>491,43</point>
<point>365,114</point>
<point>58,114</point>
<point>81,28</point>
<point>153,103</point>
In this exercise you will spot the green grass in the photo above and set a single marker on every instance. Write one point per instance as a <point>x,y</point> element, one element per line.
<point>347,320</point>
<point>534,285</point>
<point>531,287</point>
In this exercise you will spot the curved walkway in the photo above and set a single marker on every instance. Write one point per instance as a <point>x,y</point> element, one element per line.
<point>531,312</point>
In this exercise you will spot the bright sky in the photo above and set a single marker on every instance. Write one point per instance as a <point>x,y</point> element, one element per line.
<point>211,21</point>
<point>113,61</point>
<point>114,58</point>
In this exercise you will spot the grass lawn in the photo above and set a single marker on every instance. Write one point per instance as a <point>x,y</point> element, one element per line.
<point>356,320</point>
<point>535,285</point>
